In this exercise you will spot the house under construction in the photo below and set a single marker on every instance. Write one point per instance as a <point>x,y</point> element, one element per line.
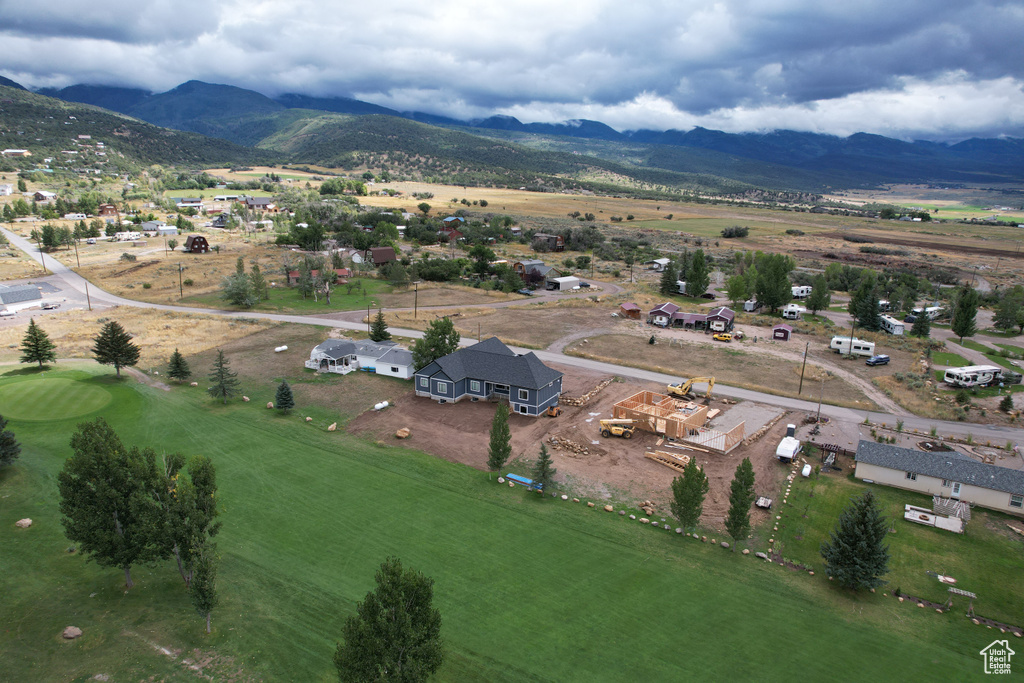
<point>675,419</point>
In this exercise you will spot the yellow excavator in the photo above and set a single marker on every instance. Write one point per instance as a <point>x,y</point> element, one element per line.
<point>684,389</point>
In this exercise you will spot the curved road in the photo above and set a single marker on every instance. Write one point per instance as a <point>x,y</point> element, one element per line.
<point>980,433</point>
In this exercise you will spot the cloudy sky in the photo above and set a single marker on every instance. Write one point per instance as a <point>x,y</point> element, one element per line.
<point>935,69</point>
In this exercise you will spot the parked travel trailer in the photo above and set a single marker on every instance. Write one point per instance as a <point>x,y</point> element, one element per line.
<point>751,305</point>
<point>892,325</point>
<point>858,348</point>
<point>884,305</point>
<point>801,291</point>
<point>932,312</point>
<point>789,446</point>
<point>793,311</point>
<point>973,376</point>
<point>680,286</point>
<point>128,236</point>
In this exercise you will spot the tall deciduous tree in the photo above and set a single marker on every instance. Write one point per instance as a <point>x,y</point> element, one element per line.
<point>114,347</point>
<point>965,310</point>
<point>177,367</point>
<point>864,303</point>
<point>439,339</point>
<point>105,499</point>
<point>283,399</point>
<point>543,471</point>
<point>237,290</point>
<point>379,328</point>
<point>188,497</point>
<point>36,346</point>
<point>225,382</point>
<point>821,295</point>
<point>203,590</point>
<point>771,286</point>
<point>395,634</point>
<point>698,277</point>
<point>500,448</point>
<point>736,290</point>
<point>855,554</point>
<point>741,497</point>
<point>688,492</point>
<point>9,446</point>
<point>1009,312</point>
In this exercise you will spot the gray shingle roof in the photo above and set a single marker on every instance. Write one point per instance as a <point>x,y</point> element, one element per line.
<point>948,465</point>
<point>18,293</point>
<point>396,357</point>
<point>339,348</point>
<point>492,361</point>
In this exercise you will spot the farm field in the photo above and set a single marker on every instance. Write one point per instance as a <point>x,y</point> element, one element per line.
<point>528,588</point>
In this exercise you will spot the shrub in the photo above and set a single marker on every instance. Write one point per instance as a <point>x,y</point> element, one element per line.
<point>736,231</point>
<point>859,239</point>
<point>629,216</point>
<point>962,397</point>
<point>147,285</point>
<point>188,282</point>
<point>127,257</point>
<point>795,232</point>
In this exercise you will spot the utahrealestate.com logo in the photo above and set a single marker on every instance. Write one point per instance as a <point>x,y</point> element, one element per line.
<point>997,657</point>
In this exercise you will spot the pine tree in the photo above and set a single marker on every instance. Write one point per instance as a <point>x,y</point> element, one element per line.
<point>669,278</point>
<point>379,328</point>
<point>500,449</point>
<point>698,278</point>
<point>9,446</point>
<point>36,346</point>
<point>177,367</point>
<point>225,382</point>
<point>1009,309</point>
<point>114,347</point>
<point>688,492</point>
<point>922,326</point>
<point>283,399</point>
<point>259,283</point>
<point>864,306</point>
<point>741,496</point>
<point>543,472</point>
<point>820,296</point>
<point>202,589</point>
<point>964,312</point>
<point>1005,405</point>
<point>855,554</point>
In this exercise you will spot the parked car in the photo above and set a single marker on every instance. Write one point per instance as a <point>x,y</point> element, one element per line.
<point>723,336</point>
<point>910,319</point>
<point>584,284</point>
<point>881,359</point>
<point>91,240</point>
<point>708,295</point>
<point>525,291</point>
<point>6,314</point>
<point>50,305</point>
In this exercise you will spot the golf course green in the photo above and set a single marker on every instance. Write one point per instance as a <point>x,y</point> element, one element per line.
<point>51,398</point>
<point>529,588</point>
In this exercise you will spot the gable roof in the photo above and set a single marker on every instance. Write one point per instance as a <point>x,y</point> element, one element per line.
<point>396,357</point>
<point>17,293</point>
<point>949,465</point>
<point>492,361</point>
<point>381,255</point>
<point>782,326</point>
<point>339,348</point>
<point>722,312</point>
<point>629,307</point>
<point>665,308</point>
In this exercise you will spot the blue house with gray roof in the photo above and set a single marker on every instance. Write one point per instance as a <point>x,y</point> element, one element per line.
<point>491,370</point>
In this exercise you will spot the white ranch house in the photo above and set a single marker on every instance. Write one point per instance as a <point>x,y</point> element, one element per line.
<point>342,356</point>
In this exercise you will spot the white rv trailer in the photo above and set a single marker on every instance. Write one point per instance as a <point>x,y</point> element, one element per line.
<point>892,325</point>
<point>801,291</point>
<point>859,347</point>
<point>973,375</point>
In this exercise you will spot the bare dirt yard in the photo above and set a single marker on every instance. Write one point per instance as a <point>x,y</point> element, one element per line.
<point>613,470</point>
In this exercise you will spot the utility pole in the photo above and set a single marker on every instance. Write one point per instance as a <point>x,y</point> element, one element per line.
<point>181,292</point>
<point>416,300</point>
<point>87,299</point>
<point>76,254</point>
<point>798,391</point>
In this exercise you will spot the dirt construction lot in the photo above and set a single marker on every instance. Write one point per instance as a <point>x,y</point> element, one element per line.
<point>614,469</point>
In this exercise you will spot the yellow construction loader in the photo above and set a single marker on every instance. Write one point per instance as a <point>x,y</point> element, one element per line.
<point>621,427</point>
<point>684,389</point>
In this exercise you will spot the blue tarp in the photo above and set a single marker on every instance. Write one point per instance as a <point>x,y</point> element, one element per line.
<point>522,481</point>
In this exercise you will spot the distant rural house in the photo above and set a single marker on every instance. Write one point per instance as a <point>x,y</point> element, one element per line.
<point>948,474</point>
<point>16,297</point>
<point>265,204</point>
<point>630,310</point>
<point>190,203</point>
<point>661,315</point>
<point>533,271</point>
<point>154,227</point>
<point>491,370</point>
<point>782,332</point>
<point>721,319</point>
<point>378,256</point>
<point>222,220</point>
<point>658,264</point>
<point>450,233</point>
<point>44,196</point>
<point>548,242</point>
<point>197,244</point>
<point>6,190</point>
<point>342,356</point>
<point>453,222</point>
<point>108,210</point>
<point>16,153</point>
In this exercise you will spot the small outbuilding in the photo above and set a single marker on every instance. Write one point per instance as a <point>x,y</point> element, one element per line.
<point>197,244</point>
<point>630,310</point>
<point>782,332</point>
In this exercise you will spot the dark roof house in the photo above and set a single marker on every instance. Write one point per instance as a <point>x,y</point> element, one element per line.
<point>380,255</point>
<point>197,244</point>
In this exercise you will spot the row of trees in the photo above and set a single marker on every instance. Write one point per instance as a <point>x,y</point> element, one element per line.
<point>112,346</point>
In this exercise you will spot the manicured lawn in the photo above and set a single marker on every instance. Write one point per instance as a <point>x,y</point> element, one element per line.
<point>288,299</point>
<point>528,588</point>
<point>952,360</point>
<point>976,346</point>
<point>1012,348</point>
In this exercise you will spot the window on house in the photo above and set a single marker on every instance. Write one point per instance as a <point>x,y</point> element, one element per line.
<point>946,483</point>
<point>912,476</point>
<point>474,385</point>
<point>425,382</point>
<point>394,369</point>
<point>1016,501</point>
<point>524,395</point>
<point>442,387</point>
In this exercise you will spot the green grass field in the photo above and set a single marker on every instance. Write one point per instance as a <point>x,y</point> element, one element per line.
<point>288,300</point>
<point>952,360</point>
<point>51,398</point>
<point>528,588</point>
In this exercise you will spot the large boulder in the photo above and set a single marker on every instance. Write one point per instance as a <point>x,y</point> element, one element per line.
<point>23,523</point>
<point>71,632</point>
<point>332,427</point>
<point>403,433</point>
<point>269,404</point>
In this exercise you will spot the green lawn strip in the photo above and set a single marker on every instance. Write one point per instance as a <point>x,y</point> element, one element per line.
<point>529,588</point>
<point>976,346</point>
<point>288,300</point>
<point>986,560</point>
<point>1019,350</point>
<point>946,358</point>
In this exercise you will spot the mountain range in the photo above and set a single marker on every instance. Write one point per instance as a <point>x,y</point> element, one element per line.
<point>781,159</point>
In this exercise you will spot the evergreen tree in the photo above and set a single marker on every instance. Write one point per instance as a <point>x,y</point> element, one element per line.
<point>114,347</point>
<point>964,312</point>
<point>395,634</point>
<point>225,382</point>
<point>669,277</point>
<point>698,278</point>
<point>202,589</point>
<point>543,472</point>
<point>379,328</point>
<point>439,340</point>
<point>688,492</point>
<point>855,554</point>
<point>240,266</point>
<point>741,497</point>
<point>258,283</point>
<point>106,502</point>
<point>283,399</point>
<point>36,346</point>
<point>177,367</point>
<point>864,306</point>
<point>500,449</point>
<point>821,295</point>
<point>9,446</point>
<point>1005,405</point>
<point>922,326</point>
<point>1009,309</point>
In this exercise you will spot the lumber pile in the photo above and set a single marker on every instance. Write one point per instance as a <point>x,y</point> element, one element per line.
<point>676,461</point>
<point>585,398</point>
<point>562,444</point>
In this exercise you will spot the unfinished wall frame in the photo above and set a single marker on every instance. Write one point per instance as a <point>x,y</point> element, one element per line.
<point>675,419</point>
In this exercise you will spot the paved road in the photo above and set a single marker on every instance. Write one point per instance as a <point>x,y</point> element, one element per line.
<point>980,433</point>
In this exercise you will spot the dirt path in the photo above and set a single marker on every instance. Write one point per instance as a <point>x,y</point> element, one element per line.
<point>146,379</point>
